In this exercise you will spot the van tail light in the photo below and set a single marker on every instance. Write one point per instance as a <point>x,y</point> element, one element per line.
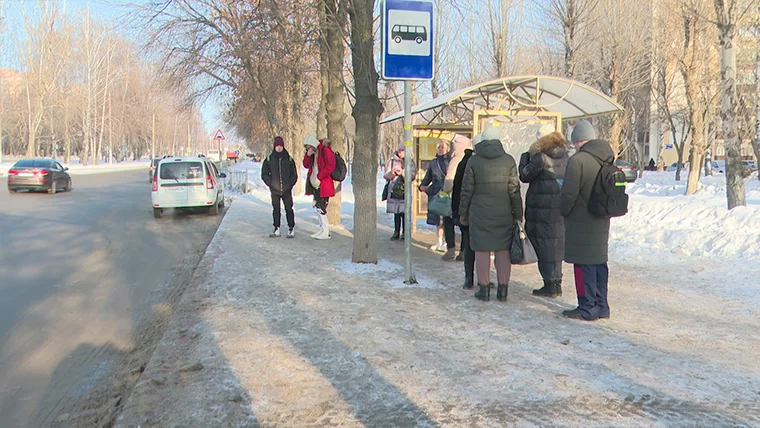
<point>155,184</point>
<point>209,182</point>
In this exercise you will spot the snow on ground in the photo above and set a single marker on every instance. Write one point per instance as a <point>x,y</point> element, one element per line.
<point>77,169</point>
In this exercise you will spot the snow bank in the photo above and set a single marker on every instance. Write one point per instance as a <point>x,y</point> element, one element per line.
<point>663,218</point>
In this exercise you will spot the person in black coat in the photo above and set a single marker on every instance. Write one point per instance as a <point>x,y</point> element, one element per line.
<point>432,183</point>
<point>543,168</point>
<point>456,194</point>
<point>280,174</point>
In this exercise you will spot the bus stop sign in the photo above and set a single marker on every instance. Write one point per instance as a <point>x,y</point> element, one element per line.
<point>408,48</point>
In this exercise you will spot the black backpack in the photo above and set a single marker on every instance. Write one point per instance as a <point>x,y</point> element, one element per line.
<point>608,198</point>
<point>340,171</point>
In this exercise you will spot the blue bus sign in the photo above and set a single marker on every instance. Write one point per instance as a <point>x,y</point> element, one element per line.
<point>408,48</point>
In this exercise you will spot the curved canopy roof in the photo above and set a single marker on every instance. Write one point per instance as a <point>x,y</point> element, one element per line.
<point>574,100</point>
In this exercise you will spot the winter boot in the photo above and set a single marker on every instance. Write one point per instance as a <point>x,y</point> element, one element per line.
<point>484,292</point>
<point>275,233</point>
<point>291,233</point>
<point>395,236</point>
<point>324,234</point>
<point>469,270</point>
<point>548,290</point>
<point>450,255</point>
<point>460,256</point>
<point>501,292</point>
<point>321,224</point>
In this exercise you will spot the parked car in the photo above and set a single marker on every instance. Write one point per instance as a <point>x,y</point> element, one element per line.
<point>38,174</point>
<point>232,156</point>
<point>630,170</point>
<point>673,166</point>
<point>187,182</point>
<point>718,167</point>
<point>152,168</point>
<point>750,165</point>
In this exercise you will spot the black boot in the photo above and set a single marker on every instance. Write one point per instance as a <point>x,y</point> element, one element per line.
<point>548,290</point>
<point>501,292</point>
<point>484,292</point>
<point>395,236</point>
<point>469,270</point>
<point>558,285</point>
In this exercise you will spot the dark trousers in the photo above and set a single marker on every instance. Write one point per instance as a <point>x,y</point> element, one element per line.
<point>287,200</point>
<point>320,203</point>
<point>469,255</point>
<point>398,223</point>
<point>550,271</point>
<point>448,232</point>
<point>591,287</point>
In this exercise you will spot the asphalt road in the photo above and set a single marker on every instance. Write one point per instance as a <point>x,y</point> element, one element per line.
<point>88,279</point>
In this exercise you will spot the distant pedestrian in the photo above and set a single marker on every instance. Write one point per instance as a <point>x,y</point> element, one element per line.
<point>460,144</point>
<point>468,256</point>
<point>543,168</point>
<point>432,184</point>
<point>320,161</point>
<point>394,176</point>
<point>491,204</point>
<point>280,174</point>
<point>652,165</point>
<point>586,235</point>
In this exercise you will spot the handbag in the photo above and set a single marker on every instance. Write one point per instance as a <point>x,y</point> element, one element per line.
<point>397,191</point>
<point>522,251</point>
<point>385,190</point>
<point>440,204</point>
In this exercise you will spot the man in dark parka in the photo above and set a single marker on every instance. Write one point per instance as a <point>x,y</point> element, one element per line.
<point>586,235</point>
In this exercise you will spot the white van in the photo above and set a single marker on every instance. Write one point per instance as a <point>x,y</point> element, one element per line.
<point>187,182</point>
<point>214,155</point>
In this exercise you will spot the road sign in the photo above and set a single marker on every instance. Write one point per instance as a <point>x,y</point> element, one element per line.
<point>219,135</point>
<point>408,40</point>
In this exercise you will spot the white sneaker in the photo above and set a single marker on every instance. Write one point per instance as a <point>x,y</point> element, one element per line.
<point>291,234</point>
<point>276,233</point>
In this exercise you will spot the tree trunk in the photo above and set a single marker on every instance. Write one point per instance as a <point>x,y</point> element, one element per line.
<point>727,31</point>
<point>366,112</point>
<point>324,65</point>
<point>67,133</point>
<point>336,118</point>
<point>690,74</point>
<point>756,142</point>
<point>297,127</point>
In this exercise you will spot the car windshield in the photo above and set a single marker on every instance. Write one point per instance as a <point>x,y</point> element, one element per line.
<point>33,163</point>
<point>181,170</point>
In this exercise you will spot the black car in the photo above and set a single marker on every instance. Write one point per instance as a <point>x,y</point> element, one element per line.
<point>38,174</point>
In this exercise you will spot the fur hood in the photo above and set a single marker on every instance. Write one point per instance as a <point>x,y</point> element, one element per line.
<point>553,145</point>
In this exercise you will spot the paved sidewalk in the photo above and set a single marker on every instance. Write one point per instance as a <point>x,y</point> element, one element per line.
<point>276,332</point>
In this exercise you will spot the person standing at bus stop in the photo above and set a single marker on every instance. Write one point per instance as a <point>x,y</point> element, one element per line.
<point>320,161</point>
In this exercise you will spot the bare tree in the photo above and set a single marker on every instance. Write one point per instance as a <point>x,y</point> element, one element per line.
<point>729,14</point>
<point>568,21</point>
<point>366,112</point>
<point>756,140</point>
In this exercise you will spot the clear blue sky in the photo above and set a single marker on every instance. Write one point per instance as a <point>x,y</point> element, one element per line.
<point>110,11</point>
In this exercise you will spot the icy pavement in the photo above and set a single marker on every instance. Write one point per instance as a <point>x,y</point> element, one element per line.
<point>289,333</point>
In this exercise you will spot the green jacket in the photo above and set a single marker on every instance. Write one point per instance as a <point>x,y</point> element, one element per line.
<point>586,235</point>
<point>490,201</point>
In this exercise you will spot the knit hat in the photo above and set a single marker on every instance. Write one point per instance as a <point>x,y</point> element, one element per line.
<point>461,143</point>
<point>544,130</point>
<point>401,146</point>
<point>583,131</point>
<point>311,141</point>
<point>278,141</point>
<point>477,139</point>
<point>491,133</point>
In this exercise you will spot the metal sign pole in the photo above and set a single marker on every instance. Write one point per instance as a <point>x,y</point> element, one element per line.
<point>408,182</point>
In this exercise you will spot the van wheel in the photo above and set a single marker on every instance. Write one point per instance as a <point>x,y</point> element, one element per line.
<point>213,209</point>
<point>158,212</point>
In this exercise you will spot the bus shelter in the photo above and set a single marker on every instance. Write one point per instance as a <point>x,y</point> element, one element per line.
<point>517,106</point>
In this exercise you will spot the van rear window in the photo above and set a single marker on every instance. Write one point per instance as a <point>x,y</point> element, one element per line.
<point>181,170</point>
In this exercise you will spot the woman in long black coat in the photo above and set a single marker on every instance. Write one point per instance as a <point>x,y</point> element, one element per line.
<point>543,168</point>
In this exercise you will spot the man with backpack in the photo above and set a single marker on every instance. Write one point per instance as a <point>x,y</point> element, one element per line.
<point>280,174</point>
<point>590,196</point>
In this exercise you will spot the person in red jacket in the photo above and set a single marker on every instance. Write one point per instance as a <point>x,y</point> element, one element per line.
<point>320,161</point>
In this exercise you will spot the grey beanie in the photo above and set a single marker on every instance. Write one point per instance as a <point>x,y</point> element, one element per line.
<point>583,131</point>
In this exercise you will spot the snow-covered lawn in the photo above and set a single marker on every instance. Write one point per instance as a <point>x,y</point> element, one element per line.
<point>77,169</point>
